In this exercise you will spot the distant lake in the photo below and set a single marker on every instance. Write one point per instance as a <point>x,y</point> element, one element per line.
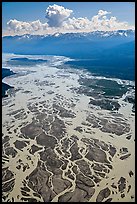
<point>116,68</point>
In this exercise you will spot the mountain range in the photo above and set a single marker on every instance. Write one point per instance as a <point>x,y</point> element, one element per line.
<point>76,45</point>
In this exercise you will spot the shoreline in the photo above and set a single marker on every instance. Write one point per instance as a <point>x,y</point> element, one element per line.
<point>6,72</point>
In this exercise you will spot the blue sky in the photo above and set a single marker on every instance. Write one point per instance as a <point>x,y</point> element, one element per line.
<point>31,11</point>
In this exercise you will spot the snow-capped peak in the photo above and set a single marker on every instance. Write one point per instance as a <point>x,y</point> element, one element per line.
<point>93,34</point>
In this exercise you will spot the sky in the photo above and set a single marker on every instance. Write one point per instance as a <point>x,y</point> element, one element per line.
<point>52,17</point>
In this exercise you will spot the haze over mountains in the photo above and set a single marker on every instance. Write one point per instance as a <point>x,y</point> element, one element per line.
<point>79,45</point>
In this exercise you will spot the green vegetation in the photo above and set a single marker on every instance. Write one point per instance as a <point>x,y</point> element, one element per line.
<point>109,87</point>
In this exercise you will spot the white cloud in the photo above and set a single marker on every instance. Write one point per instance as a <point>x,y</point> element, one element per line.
<point>22,27</point>
<point>103,13</point>
<point>59,20</point>
<point>100,19</point>
<point>76,23</point>
<point>56,15</point>
<point>16,25</point>
<point>36,25</point>
<point>26,26</point>
<point>98,22</point>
